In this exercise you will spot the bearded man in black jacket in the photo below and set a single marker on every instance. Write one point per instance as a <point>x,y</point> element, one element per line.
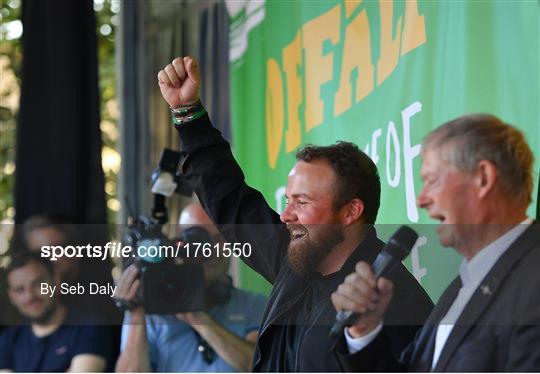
<point>333,195</point>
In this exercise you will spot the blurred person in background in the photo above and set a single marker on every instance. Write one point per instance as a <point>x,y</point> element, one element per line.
<point>54,338</point>
<point>220,339</point>
<point>50,230</point>
<point>55,229</point>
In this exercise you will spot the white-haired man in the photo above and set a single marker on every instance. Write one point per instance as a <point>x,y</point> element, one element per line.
<point>477,174</point>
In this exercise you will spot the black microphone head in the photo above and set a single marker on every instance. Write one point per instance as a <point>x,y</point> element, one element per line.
<point>400,244</point>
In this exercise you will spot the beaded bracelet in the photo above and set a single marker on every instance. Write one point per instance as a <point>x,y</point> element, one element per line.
<point>185,109</point>
<point>181,120</point>
<point>186,114</point>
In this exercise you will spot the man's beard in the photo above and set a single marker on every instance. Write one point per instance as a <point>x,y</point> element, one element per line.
<point>307,252</point>
<point>44,318</point>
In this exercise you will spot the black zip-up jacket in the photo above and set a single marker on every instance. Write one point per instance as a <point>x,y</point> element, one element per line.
<point>242,215</point>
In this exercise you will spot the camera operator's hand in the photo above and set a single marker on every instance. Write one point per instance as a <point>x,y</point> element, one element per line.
<point>135,356</point>
<point>363,294</point>
<point>236,350</point>
<point>180,82</point>
<point>126,291</point>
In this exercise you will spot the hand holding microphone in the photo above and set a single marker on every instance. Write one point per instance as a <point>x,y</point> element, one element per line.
<point>363,297</point>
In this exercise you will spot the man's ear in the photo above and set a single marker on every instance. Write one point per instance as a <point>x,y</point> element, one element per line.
<point>485,177</point>
<point>352,211</point>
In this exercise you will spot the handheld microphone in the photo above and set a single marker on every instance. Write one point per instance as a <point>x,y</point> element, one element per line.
<point>398,247</point>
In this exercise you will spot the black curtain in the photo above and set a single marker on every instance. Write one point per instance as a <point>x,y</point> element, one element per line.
<point>58,154</point>
<point>152,33</point>
<point>214,65</point>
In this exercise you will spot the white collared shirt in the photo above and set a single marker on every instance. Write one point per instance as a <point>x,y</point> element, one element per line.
<point>471,273</point>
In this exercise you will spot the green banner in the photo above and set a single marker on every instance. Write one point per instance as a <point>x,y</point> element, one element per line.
<point>381,74</point>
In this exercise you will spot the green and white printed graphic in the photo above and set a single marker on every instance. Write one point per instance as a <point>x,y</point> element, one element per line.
<point>381,74</point>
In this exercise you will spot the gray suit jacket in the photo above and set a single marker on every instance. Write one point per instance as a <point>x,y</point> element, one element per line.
<point>499,329</point>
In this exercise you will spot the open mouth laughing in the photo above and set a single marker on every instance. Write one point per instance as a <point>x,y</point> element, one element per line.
<point>297,232</point>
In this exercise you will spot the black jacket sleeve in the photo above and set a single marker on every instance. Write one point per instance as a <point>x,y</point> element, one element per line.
<point>239,211</point>
<point>375,357</point>
<point>392,350</point>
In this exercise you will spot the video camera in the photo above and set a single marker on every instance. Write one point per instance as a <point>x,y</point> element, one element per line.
<point>168,284</point>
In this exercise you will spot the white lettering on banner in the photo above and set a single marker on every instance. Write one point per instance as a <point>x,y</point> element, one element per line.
<point>409,154</point>
<point>391,135</point>
<point>417,271</point>
<point>254,14</point>
<point>374,155</point>
<point>394,150</point>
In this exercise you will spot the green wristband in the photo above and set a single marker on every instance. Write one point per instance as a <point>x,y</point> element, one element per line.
<point>180,120</point>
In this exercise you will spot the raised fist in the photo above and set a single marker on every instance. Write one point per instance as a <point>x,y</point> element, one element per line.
<point>180,82</point>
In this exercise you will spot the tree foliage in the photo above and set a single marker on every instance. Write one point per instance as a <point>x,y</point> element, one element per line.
<point>10,73</point>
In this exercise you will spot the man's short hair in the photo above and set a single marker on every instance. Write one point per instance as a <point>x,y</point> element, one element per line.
<point>356,175</point>
<point>55,221</point>
<point>23,257</point>
<point>476,137</point>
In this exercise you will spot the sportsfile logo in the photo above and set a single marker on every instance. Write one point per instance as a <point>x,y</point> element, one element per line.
<point>146,249</point>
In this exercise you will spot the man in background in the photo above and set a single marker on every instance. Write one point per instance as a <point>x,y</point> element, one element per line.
<point>219,339</point>
<point>56,338</point>
<point>54,229</point>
